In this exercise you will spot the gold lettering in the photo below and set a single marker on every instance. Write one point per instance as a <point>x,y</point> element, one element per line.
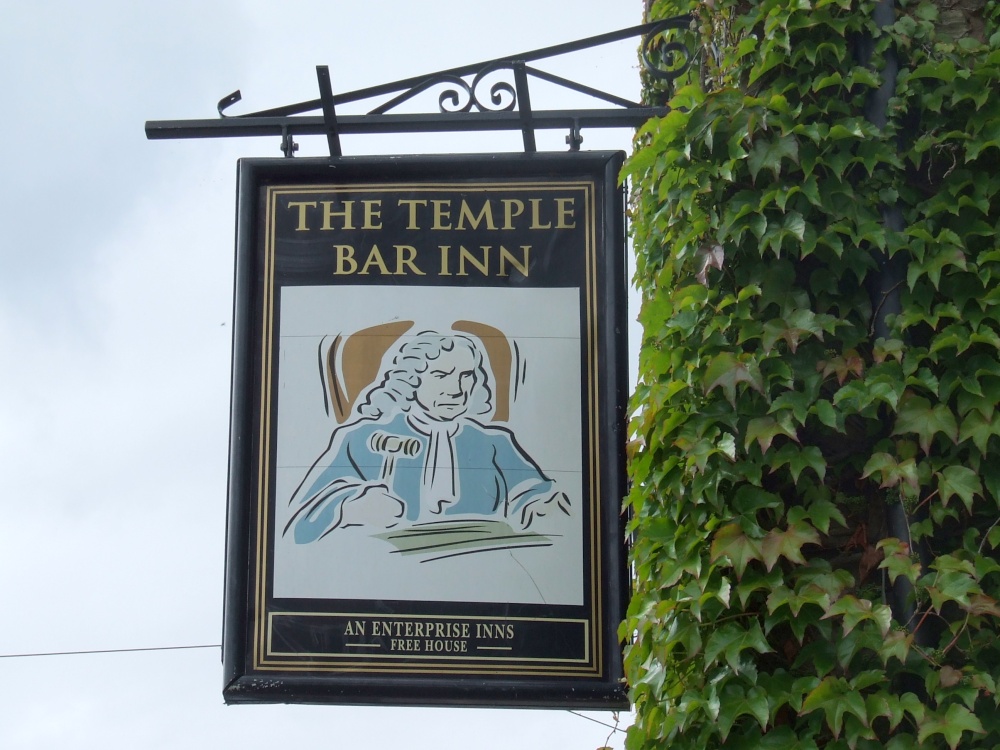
<point>442,213</point>
<point>302,206</point>
<point>374,259</point>
<point>355,627</point>
<point>329,214</point>
<point>404,644</point>
<point>373,214</point>
<point>465,213</point>
<point>345,260</point>
<point>494,630</point>
<point>405,257</point>
<point>505,257</point>
<point>412,204</point>
<point>445,249</point>
<point>445,646</point>
<point>565,211</point>
<point>535,215</point>
<point>512,208</point>
<point>482,265</point>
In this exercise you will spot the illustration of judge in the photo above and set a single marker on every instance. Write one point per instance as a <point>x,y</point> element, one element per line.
<point>420,446</point>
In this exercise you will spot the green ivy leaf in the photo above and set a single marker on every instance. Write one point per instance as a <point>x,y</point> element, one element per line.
<point>979,429</point>
<point>917,415</point>
<point>836,697</point>
<point>956,721</point>
<point>768,153</point>
<point>731,640</point>
<point>735,703</point>
<point>853,610</point>
<point>951,587</point>
<point>798,459</point>
<point>961,481</point>
<point>764,429</point>
<point>895,645</point>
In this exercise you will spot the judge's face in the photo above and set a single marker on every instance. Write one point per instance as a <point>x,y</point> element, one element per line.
<point>447,383</point>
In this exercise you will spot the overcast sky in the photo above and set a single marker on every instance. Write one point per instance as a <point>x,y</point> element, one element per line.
<point>116,262</point>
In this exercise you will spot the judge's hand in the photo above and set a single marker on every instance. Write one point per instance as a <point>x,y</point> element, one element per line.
<point>375,507</point>
<point>544,512</point>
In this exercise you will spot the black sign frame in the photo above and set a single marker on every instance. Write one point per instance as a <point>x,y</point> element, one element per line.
<point>309,233</point>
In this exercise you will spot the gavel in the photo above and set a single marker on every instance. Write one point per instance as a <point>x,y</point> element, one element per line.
<point>389,446</point>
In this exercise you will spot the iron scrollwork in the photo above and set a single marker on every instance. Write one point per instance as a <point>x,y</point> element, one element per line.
<point>502,95</point>
<point>472,98</point>
<point>461,95</point>
<point>666,61</point>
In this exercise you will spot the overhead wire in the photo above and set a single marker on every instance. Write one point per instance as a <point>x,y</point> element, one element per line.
<point>613,727</point>
<point>105,651</point>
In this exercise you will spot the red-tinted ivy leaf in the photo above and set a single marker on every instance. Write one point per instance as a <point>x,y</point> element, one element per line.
<point>709,256</point>
<point>870,559</point>
<point>726,371</point>
<point>731,542</point>
<point>895,645</point>
<point>898,560</point>
<point>949,676</point>
<point>794,327</point>
<point>787,544</point>
<point>980,604</point>
<point>891,471</point>
<point>886,348</point>
<point>850,363</point>
<point>764,429</point>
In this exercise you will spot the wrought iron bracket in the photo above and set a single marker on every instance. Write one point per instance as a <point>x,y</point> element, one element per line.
<point>506,106</point>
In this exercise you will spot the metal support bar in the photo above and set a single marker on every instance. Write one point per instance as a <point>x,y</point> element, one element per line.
<point>462,105</point>
<point>579,87</point>
<point>447,123</point>
<point>651,29</point>
<point>524,107</point>
<point>329,110</point>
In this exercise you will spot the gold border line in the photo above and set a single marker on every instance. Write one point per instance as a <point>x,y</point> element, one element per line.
<point>595,379</point>
<point>265,502</point>
<point>471,655</point>
<point>367,668</point>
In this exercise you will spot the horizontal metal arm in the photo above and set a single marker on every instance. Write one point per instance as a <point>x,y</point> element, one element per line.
<point>354,124</point>
<point>507,106</point>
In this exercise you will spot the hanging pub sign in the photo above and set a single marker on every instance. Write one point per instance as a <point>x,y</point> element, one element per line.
<point>427,444</point>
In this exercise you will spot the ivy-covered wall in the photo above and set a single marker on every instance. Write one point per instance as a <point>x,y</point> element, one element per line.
<point>815,437</point>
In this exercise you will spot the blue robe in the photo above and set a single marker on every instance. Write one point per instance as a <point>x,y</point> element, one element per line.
<point>492,475</point>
